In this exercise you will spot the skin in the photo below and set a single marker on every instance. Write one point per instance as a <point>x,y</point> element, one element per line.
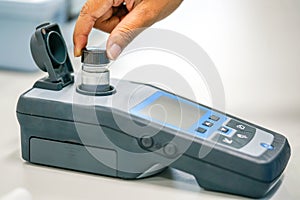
<point>124,19</point>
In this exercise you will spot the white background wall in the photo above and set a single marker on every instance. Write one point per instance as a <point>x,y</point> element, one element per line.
<point>255,45</point>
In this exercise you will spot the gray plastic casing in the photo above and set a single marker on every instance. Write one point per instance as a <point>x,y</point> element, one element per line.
<point>59,128</point>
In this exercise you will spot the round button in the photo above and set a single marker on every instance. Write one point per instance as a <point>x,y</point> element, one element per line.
<point>146,142</point>
<point>267,146</point>
<point>170,149</point>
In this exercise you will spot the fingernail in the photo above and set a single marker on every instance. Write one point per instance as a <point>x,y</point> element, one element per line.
<point>77,52</point>
<point>114,51</point>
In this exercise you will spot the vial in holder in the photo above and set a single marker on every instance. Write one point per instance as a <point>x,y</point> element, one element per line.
<point>95,74</point>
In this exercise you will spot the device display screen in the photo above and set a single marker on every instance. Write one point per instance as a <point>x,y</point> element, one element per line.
<point>173,111</point>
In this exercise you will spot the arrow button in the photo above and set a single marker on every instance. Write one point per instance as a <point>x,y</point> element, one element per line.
<point>226,141</point>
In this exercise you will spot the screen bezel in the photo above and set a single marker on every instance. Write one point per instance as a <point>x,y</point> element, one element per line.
<point>192,129</point>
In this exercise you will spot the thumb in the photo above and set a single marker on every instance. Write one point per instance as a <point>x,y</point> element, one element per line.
<point>131,25</point>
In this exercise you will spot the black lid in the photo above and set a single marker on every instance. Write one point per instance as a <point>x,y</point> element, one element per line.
<point>94,56</point>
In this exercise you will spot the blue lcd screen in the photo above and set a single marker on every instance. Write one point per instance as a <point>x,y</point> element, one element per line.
<point>178,113</point>
<point>170,110</point>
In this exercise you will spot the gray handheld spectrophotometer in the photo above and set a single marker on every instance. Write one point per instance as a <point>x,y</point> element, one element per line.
<point>133,130</point>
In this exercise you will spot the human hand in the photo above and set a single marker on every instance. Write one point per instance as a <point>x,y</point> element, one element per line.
<point>122,18</point>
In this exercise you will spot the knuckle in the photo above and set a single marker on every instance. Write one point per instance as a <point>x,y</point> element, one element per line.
<point>126,34</point>
<point>85,9</point>
<point>89,9</point>
<point>117,2</point>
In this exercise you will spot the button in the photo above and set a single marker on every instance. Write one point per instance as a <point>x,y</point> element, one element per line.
<point>240,126</point>
<point>170,149</point>
<point>227,141</point>
<point>208,124</point>
<point>201,130</point>
<point>146,142</point>
<point>214,118</point>
<point>223,129</point>
<point>267,146</point>
<point>243,137</point>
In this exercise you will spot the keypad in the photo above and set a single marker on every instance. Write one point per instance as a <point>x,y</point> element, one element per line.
<point>214,118</point>
<point>240,126</point>
<point>201,130</point>
<point>208,124</point>
<point>243,135</point>
<point>224,129</point>
<point>228,141</point>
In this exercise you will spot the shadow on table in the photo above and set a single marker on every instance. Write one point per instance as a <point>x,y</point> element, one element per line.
<point>170,178</point>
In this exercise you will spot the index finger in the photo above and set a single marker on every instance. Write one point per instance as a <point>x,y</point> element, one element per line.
<point>90,12</point>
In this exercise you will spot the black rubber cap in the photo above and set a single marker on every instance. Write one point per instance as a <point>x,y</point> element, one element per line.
<point>94,56</point>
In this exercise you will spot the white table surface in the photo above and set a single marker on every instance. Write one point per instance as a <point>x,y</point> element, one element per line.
<point>258,41</point>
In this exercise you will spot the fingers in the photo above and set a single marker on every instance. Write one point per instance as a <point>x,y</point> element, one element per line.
<point>91,11</point>
<point>130,4</point>
<point>107,25</point>
<point>117,2</point>
<point>134,22</point>
<point>142,15</point>
<point>111,18</point>
<point>124,21</point>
